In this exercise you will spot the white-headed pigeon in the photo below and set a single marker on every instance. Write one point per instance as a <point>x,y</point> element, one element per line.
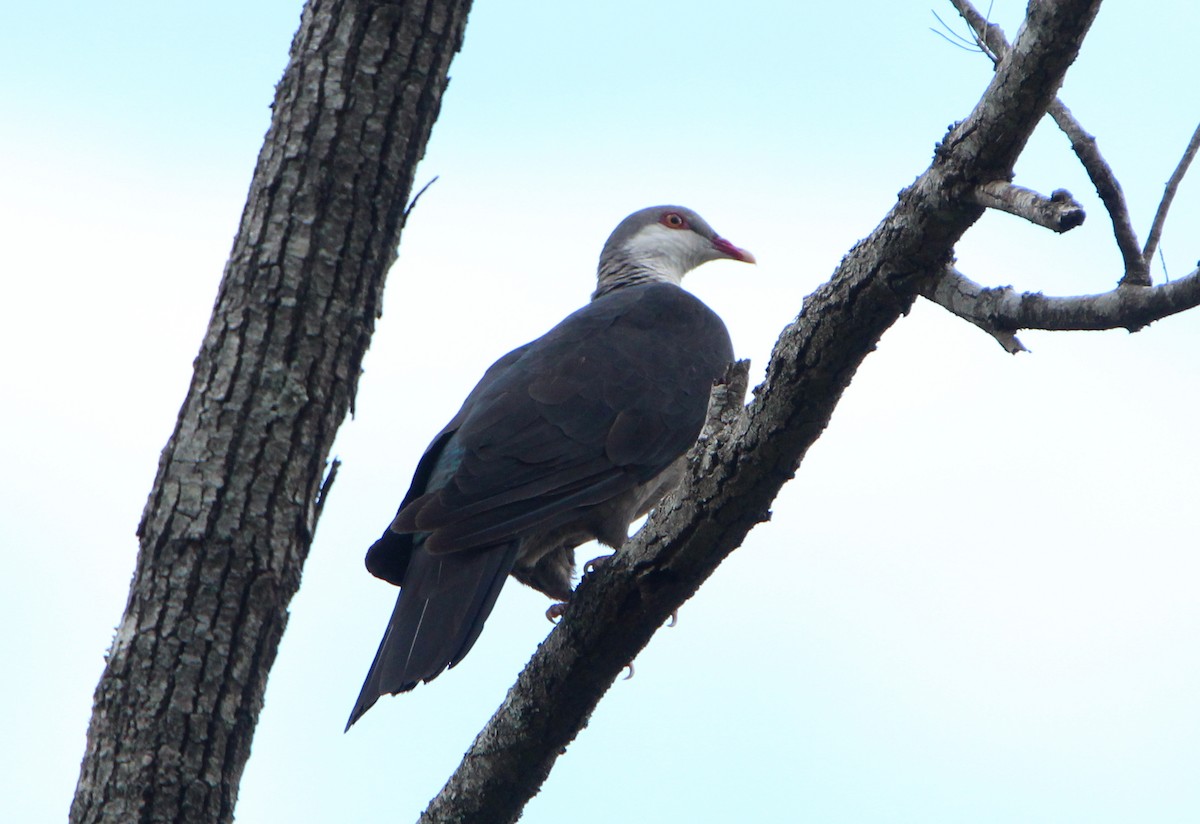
<point>566,439</point>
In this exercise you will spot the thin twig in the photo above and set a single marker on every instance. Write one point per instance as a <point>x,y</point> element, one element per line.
<point>413,203</point>
<point>988,35</point>
<point>1137,272</point>
<point>971,44</point>
<point>326,486</point>
<point>1160,217</point>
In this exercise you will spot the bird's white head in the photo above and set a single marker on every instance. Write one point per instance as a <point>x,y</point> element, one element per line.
<point>660,243</point>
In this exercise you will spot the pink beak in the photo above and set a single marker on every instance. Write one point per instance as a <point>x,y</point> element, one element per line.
<point>730,251</point>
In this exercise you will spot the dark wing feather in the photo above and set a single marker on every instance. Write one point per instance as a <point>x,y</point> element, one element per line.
<point>388,557</point>
<point>603,402</point>
<point>445,600</point>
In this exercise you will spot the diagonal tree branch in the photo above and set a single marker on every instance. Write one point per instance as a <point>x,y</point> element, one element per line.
<point>1137,272</point>
<point>1160,216</point>
<point>616,610</point>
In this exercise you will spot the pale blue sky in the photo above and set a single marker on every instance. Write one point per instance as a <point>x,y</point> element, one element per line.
<point>976,602</point>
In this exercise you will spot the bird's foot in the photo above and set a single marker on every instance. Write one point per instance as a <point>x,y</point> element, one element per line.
<point>555,611</point>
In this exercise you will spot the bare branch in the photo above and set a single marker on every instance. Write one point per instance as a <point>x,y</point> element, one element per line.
<point>1137,271</point>
<point>1001,311</point>
<point>1160,217</point>
<point>615,611</point>
<point>1060,212</point>
<point>599,634</point>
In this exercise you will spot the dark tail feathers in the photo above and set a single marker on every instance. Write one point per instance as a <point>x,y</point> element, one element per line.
<point>443,604</point>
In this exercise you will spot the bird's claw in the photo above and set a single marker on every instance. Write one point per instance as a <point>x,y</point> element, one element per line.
<point>555,611</point>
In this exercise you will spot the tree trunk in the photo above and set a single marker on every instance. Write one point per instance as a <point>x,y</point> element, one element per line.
<point>230,519</point>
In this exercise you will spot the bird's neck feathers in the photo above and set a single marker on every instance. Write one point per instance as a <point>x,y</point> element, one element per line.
<point>621,272</point>
<point>653,255</point>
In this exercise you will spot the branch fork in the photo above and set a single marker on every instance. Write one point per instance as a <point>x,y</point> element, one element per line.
<point>1132,305</point>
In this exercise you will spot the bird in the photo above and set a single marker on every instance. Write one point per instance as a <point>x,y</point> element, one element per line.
<point>567,439</point>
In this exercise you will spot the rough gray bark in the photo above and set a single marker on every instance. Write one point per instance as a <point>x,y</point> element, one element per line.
<point>1003,309</point>
<point>230,519</point>
<point>614,612</point>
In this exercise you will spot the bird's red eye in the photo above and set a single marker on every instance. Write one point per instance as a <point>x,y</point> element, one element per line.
<point>673,220</point>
